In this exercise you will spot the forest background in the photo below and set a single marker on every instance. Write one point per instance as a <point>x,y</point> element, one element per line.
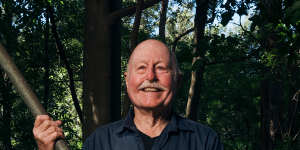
<point>239,60</point>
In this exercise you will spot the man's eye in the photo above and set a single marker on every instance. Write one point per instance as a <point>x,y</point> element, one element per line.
<point>161,68</point>
<point>141,67</point>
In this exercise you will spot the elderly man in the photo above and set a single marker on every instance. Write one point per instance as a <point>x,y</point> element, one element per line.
<point>151,80</point>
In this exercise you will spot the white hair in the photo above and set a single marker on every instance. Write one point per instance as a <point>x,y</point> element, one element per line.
<point>176,72</point>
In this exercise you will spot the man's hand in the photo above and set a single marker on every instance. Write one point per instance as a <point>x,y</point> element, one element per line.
<point>46,131</point>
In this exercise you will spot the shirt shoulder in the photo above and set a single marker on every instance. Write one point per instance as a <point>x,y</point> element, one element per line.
<point>203,133</point>
<point>188,124</point>
<point>100,137</point>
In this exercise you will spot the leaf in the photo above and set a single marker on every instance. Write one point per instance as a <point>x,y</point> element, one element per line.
<point>242,10</point>
<point>226,17</point>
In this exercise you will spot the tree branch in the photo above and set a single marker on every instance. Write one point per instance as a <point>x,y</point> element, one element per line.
<point>295,137</point>
<point>129,11</point>
<point>46,63</point>
<point>246,31</point>
<point>62,54</point>
<point>136,24</point>
<point>163,19</point>
<point>179,37</point>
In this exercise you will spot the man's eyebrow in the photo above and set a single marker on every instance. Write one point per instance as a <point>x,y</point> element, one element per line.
<point>140,61</point>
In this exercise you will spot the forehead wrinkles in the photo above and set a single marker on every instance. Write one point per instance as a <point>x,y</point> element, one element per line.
<point>149,60</point>
<point>147,53</point>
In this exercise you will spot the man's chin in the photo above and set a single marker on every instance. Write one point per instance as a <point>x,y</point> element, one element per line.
<point>156,111</point>
<point>153,107</point>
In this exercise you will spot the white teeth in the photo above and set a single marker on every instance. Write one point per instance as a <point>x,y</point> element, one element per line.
<point>150,89</point>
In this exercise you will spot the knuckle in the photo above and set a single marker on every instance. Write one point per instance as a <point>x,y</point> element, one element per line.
<point>47,122</point>
<point>52,129</point>
<point>60,129</point>
<point>53,123</point>
<point>55,134</point>
<point>39,137</point>
<point>58,122</point>
<point>38,117</point>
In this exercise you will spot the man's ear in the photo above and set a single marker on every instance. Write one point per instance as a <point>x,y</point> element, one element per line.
<point>125,75</point>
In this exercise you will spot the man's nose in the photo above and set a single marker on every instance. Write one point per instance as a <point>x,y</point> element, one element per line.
<point>151,75</point>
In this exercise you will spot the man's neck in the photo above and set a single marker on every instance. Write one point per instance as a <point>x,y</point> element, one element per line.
<point>150,122</point>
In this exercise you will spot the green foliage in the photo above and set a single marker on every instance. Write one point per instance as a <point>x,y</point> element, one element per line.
<point>234,66</point>
<point>23,34</point>
<point>293,13</point>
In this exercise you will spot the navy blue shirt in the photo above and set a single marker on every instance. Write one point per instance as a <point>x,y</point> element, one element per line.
<point>179,134</point>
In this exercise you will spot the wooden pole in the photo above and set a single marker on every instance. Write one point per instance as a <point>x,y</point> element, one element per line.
<point>24,90</point>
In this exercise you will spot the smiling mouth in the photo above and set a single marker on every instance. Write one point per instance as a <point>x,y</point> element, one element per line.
<point>149,89</point>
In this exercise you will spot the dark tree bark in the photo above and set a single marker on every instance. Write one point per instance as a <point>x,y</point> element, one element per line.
<point>46,63</point>
<point>63,56</point>
<point>293,108</point>
<point>136,25</point>
<point>272,98</point>
<point>163,19</point>
<point>120,13</point>
<point>101,86</point>
<point>198,52</point>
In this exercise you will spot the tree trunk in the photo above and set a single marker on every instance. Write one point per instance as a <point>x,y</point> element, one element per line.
<point>272,98</point>
<point>101,86</point>
<point>271,89</point>
<point>163,19</point>
<point>198,52</point>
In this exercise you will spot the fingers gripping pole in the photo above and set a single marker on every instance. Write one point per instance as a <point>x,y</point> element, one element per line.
<point>24,90</point>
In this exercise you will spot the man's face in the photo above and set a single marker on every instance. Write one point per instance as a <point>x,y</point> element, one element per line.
<point>149,76</point>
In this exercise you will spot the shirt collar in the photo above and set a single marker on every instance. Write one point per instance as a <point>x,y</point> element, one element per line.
<point>127,123</point>
<point>176,123</point>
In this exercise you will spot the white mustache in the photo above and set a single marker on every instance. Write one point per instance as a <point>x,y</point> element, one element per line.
<point>148,84</point>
